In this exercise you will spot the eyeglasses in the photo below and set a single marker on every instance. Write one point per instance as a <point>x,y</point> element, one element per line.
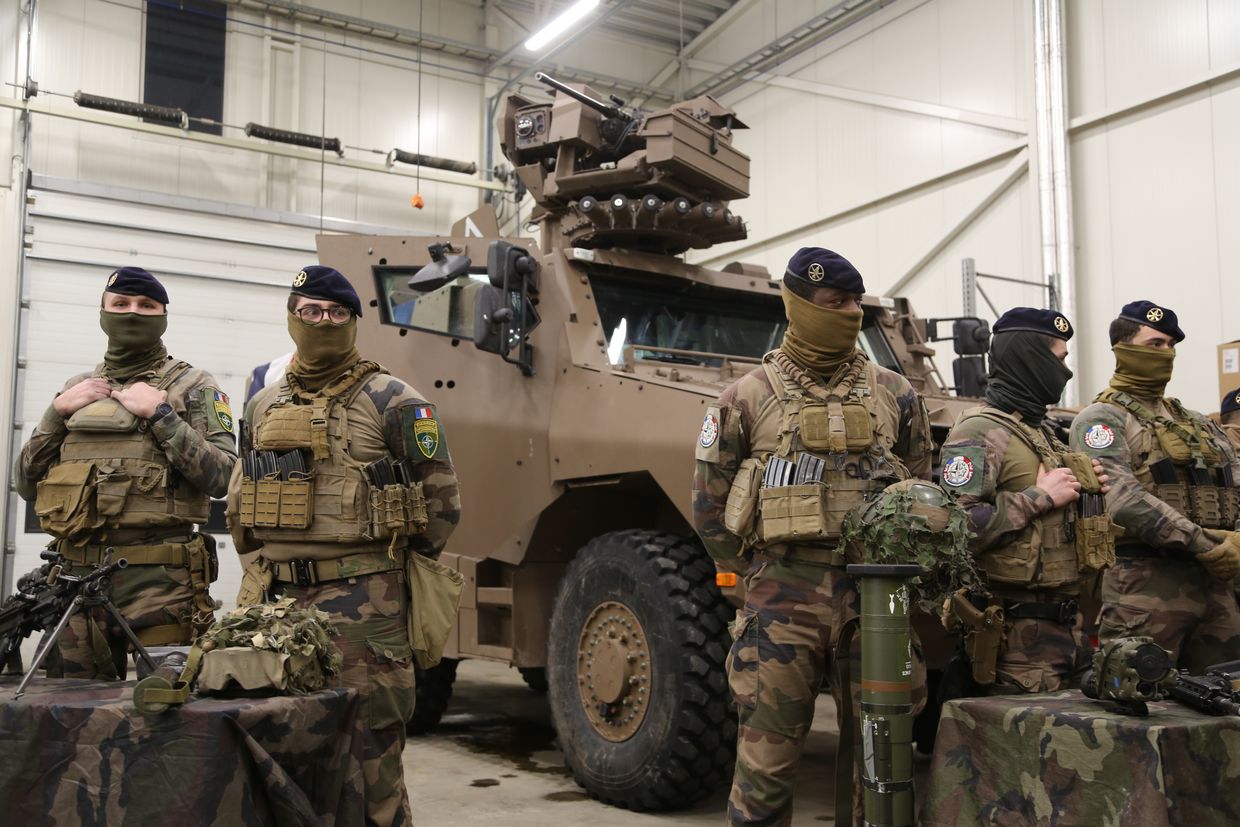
<point>313,314</point>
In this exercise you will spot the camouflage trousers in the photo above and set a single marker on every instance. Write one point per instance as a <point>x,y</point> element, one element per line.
<point>785,640</point>
<point>1177,603</point>
<point>1040,656</point>
<point>370,614</point>
<point>93,645</point>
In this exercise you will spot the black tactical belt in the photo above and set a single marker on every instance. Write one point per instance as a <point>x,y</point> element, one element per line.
<point>1063,613</point>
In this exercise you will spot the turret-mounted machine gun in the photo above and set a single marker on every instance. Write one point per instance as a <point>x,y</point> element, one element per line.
<point>607,175</point>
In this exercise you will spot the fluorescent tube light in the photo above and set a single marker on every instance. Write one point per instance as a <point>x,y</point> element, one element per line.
<point>561,24</point>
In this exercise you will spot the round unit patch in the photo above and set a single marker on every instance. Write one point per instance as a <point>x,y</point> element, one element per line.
<point>1099,436</point>
<point>957,471</point>
<point>710,431</point>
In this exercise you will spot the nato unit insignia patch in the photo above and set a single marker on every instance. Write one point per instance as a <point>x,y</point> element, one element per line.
<point>1099,436</point>
<point>957,471</point>
<point>218,410</point>
<point>710,430</point>
<point>425,431</point>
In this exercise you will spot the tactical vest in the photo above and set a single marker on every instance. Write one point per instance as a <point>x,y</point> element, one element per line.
<point>831,456</point>
<point>332,502</point>
<point>1044,553</point>
<point>1184,467</point>
<point>112,474</point>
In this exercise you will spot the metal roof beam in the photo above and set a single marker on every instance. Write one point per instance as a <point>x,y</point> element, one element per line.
<point>702,39</point>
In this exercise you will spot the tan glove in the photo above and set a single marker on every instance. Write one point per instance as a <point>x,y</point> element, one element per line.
<point>1222,561</point>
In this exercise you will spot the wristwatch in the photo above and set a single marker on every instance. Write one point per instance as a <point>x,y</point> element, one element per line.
<point>161,410</point>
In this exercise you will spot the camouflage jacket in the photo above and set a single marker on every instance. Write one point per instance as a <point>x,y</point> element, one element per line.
<point>377,419</point>
<point>995,474</point>
<point>737,410</point>
<point>1114,436</point>
<point>197,438</point>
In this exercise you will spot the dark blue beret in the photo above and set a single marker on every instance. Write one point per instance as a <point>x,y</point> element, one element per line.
<point>1231,402</point>
<point>819,267</point>
<point>134,281</point>
<point>1160,318</point>
<point>1034,320</point>
<point>328,284</point>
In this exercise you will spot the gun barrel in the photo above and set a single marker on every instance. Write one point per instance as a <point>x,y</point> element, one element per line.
<point>597,105</point>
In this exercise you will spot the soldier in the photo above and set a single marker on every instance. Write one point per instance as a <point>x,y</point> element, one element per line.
<point>1229,416</point>
<point>1172,488</point>
<point>1008,468</point>
<point>377,480</point>
<point>783,455</point>
<point>128,456</point>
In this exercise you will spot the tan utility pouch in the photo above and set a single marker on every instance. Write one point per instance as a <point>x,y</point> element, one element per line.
<point>1095,542</point>
<point>416,516</point>
<point>105,415</point>
<point>111,489</point>
<point>1231,508</point>
<point>434,596</point>
<point>275,503</point>
<point>1082,468</point>
<point>1174,446</point>
<point>984,634</point>
<point>255,582</point>
<point>65,499</point>
<point>836,427</point>
<point>397,510</point>
<point>1206,504</point>
<point>284,427</point>
<point>1174,495</point>
<point>742,502</point>
<point>808,512</point>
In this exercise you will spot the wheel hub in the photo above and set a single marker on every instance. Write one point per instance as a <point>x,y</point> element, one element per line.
<point>613,671</point>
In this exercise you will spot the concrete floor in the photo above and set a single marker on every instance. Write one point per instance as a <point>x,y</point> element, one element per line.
<point>494,759</point>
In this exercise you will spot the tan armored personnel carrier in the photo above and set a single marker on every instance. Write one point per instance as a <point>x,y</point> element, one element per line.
<point>572,377</point>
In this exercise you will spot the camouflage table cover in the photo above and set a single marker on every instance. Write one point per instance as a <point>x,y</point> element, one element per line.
<point>1064,760</point>
<point>77,753</point>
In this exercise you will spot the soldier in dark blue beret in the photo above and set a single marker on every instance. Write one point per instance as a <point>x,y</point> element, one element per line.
<point>128,457</point>
<point>1229,414</point>
<point>1007,466</point>
<point>1168,464</point>
<point>326,284</point>
<point>746,464</point>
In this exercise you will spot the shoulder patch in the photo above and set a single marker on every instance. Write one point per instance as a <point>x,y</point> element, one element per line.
<point>1099,436</point>
<point>708,437</point>
<point>958,471</point>
<point>421,433</point>
<point>219,412</point>
<point>964,468</point>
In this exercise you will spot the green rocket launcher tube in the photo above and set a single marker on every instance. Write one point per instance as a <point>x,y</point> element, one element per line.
<point>886,693</point>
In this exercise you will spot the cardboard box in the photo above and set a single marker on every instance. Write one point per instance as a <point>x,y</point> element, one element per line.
<point>1228,367</point>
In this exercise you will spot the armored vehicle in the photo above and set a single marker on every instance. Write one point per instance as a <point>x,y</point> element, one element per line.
<point>572,376</point>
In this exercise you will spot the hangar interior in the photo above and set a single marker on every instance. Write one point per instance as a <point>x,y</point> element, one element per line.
<point>1085,147</point>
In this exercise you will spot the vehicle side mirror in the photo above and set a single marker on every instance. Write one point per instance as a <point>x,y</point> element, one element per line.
<point>970,336</point>
<point>509,265</point>
<point>969,376</point>
<point>504,313</point>
<point>442,269</point>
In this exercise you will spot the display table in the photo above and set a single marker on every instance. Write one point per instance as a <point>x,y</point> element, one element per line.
<point>77,753</point>
<point>1064,760</point>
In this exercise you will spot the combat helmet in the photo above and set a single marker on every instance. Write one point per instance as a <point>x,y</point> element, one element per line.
<point>913,521</point>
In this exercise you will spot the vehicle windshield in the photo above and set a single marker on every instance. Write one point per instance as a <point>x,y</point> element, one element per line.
<point>667,313</point>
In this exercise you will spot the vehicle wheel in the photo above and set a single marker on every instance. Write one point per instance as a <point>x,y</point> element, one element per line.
<point>535,678</point>
<point>434,689</point>
<point>635,658</point>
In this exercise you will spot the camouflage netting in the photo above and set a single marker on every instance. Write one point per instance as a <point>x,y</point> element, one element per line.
<point>304,634</point>
<point>914,521</point>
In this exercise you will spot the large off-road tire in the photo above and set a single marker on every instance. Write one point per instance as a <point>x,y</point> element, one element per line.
<point>635,657</point>
<point>434,690</point>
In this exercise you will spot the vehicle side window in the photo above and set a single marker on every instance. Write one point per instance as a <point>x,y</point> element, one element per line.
<point>447,310</point>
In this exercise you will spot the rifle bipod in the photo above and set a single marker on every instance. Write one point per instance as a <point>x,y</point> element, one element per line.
<point>94,589</point>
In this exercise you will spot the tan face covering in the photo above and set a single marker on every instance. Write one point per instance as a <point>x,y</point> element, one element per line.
<point>1142,371</point>
<point>324,350</point>
<point>819,339</point>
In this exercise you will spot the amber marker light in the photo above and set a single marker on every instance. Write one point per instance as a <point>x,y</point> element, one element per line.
<point>725,579</point>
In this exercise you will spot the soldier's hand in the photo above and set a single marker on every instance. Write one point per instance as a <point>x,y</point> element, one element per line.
<point>1060,484</point>
<point>80,395</point>
<point>140,399</point>
<point>1102,476</point>
<point>1223,561</point>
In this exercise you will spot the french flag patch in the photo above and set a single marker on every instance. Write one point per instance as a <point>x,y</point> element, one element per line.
<point>423,412</point>
<point>220,396</point>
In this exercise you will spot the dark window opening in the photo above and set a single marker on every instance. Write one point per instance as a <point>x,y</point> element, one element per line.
<point>447,309</point>
<point>185,59</point>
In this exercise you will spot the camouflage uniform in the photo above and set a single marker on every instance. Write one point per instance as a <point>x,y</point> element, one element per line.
<point>1155,588</point>
<point>357,579</point>
<point>146,509</point>
<point>798,597</point>
<point>991,459</point>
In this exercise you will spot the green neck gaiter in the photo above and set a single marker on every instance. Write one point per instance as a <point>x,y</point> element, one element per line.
<point>135,343</point>
<point>1025,376</point>
<point>1142,371</point>
<point>324,350</point>
<point>819,339</point>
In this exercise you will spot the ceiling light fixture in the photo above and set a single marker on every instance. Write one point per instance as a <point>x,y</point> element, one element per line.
<point>560,24</point>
